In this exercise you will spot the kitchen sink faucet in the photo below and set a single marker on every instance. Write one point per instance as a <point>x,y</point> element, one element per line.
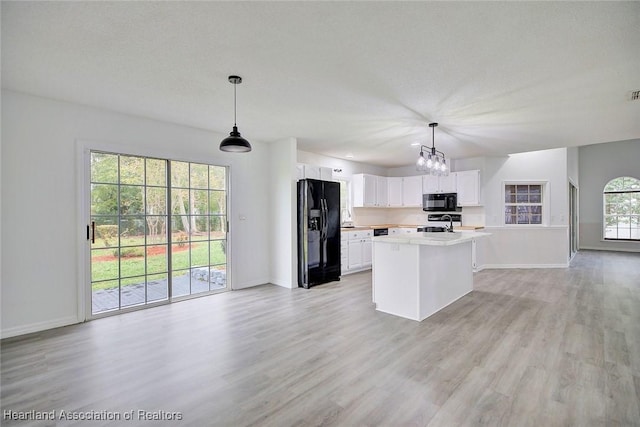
<point>450,228</point>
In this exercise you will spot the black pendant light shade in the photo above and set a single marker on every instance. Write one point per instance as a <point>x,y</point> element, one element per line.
<point>235,143</point>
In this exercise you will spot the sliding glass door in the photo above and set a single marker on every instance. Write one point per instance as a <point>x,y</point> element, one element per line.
<point>157,230</point>
<point>198,228</point>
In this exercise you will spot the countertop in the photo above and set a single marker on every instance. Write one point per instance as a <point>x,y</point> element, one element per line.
<point>431,239</point>
<point>372,227</point>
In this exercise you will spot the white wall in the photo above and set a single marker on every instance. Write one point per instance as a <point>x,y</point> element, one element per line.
<point>344,169</point>
<point>41,223</point>
<point>599,164</point>
<point>347,167</point>
<point>282,229</point>
<point>547,166</point>
<point>573,167</point>
<point>532,246</point>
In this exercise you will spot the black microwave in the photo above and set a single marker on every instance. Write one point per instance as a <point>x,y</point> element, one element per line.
<point>440,202</point>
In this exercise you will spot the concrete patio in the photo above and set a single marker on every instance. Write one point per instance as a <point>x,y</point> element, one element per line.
<point>108,299</point>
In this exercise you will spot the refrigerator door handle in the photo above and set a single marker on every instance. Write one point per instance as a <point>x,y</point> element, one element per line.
<point>325,232</point>
<point>321,220</point>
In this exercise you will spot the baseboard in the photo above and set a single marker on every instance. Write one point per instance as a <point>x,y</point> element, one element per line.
<point>38,327</point>
<point>344,273</point>
<point>507,266</point>
<point>250,283</point>
<point>593,248</point>
<point>283,283</point>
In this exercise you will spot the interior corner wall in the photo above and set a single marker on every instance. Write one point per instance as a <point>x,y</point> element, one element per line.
<point>282,209</point>
<point>40,202</point>
<point>599,164</point>
<point>573,167</point>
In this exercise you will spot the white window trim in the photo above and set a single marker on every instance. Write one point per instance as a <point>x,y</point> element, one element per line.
<point>346,179</point>
<point>546,209</point>
<point>604,225</point>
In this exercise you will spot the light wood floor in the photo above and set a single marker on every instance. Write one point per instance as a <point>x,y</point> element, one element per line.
<point>527,347</point>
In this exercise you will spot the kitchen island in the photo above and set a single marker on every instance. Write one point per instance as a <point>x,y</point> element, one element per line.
<point>418,274</point>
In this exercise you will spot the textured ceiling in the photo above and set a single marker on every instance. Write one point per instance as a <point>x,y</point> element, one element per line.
<point>344,77</point>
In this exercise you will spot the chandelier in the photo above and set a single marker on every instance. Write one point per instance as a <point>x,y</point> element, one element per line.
<point>435,162</point>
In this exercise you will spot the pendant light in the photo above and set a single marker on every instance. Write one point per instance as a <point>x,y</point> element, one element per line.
<point>435,162</point>
<point>235,142</point>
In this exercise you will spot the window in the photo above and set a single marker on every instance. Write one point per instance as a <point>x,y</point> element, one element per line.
<point>621,198</point>
<point>523,204</point>
<point>345,202</point>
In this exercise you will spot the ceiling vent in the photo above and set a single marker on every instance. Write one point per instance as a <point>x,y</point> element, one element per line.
<point>635,95</point>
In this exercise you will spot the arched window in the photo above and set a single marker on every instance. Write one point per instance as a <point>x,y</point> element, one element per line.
<point>621,200</point>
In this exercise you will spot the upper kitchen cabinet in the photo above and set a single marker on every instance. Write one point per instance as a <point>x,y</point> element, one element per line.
<point>468,188</point>
<point>412,191</point>
<point>439,184</point>
<point>369,190</point>
<point>394,193</point>
<point>382,191</point>
<point>404,191</point>
<point>314,172</point>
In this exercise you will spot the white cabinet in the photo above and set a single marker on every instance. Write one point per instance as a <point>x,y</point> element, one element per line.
<point>401,230</point>
<point>404,191</point>
<point>474,263</point>
<point>439,184</point>
<point>448,183</point>
<point>326,174</point>
<point>358,253</point>
<point>313,172</point>
<point>355,255</point>
<point>468,188</point>
<point>430,184</point>
<point>381,191</point>
<point>369,190</point>
<point>367,253</point>
<point>344,252</point>
<point>394,191</point>
<point>364,190</point>
<point>412,191</point>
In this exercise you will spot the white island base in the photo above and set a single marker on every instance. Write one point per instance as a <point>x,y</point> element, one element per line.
<point>416,277</point>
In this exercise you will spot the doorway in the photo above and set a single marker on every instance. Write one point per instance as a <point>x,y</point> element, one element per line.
<point>157,231</point>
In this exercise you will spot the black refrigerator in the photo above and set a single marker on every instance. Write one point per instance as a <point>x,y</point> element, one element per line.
<point>318,232</point>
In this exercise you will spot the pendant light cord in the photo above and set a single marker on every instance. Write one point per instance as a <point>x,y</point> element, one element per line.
<point>235,105</point>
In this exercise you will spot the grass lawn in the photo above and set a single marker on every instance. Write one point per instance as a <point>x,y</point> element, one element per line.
<point>104,267</point>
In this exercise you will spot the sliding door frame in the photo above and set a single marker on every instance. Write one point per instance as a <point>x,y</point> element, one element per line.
<point>83,190</point>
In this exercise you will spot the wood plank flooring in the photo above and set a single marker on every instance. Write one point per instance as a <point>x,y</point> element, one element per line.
<point>527,347</point>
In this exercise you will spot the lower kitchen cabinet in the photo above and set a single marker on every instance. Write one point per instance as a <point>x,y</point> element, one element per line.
<point>358,253</point>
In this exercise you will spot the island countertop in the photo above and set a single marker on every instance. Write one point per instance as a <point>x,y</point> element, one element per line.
<point>432,239</point>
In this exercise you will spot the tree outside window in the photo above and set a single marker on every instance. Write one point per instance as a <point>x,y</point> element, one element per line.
<point>621,199</point>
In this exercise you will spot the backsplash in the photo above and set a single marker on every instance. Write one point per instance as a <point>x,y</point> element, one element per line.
<point>410,216</point>
<point>370,216</point>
